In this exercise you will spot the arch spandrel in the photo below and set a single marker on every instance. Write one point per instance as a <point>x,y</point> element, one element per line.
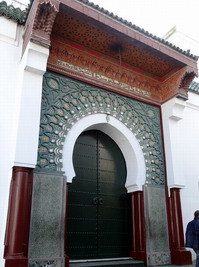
<point>67,102</point>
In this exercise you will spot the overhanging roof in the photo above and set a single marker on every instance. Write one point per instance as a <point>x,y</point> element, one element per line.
<point>168,69</point>
<point>137,28</point>
<point>194,87</point>
<point>90,26</point>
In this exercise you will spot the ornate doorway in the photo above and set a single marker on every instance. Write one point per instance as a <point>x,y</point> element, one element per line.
<point>98,203</point>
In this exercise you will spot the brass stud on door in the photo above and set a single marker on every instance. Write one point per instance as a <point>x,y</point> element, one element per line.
<point>95,201</point>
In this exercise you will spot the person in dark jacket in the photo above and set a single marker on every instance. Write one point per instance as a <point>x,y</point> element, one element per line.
<point>192,235</point>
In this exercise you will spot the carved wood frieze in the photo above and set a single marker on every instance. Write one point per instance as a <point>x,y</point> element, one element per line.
<point>39,25</point>
<point>77,61</point>
<point>80,62</point>
<point>184,84</point>
<point>45,16</point>
<point>177,85</point>
<point>43,23</point>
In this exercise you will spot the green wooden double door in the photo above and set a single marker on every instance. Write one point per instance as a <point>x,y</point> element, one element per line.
<point>99,219</point>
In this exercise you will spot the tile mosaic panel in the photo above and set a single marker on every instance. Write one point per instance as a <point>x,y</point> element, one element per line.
<point>65,101</point>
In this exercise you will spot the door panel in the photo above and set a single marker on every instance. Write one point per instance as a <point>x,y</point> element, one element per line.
<point>82,214</point>
<point>113,215</point>
<point>98,204</point>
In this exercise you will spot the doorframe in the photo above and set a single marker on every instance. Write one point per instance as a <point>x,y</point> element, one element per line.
<point>135,169</point>
<point>123,137</point>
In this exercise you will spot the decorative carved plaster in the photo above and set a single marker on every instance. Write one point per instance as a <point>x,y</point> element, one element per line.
<point>65,101</point>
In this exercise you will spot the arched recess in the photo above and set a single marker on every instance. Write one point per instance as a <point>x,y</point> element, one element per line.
<point>66,104</point>
<point>125,139</point>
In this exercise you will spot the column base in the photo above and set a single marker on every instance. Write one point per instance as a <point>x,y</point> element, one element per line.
<point>66,261</point>
<point>138,255</point>
<point>16,263</point>
<point>181,257</point>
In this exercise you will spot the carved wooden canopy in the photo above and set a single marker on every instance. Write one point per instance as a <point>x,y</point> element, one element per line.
<point>96,46</point>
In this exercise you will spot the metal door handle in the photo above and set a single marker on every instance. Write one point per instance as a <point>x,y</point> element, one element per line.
<point>95,201</point>
<point>101,201</point>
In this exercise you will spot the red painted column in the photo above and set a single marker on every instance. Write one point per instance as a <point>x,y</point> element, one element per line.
<point>179,255</point>
<point>65,237</point>
<point>138,227</point>
<point>18,220</point>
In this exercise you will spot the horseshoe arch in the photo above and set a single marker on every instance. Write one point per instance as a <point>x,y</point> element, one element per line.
<point>125,139</point>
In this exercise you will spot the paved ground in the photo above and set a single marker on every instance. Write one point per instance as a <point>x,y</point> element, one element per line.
<point>193,265</point>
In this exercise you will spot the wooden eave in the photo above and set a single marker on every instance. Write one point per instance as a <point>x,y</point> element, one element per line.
<point>106,21</point>
<point>166,70</point>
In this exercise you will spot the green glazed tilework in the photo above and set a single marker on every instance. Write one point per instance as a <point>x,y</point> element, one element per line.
<point>13,13</point>
<point>65,101</point>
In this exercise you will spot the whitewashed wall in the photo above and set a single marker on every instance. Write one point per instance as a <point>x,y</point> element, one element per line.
<point>20,102</point>
<point>190,132</point>
<point>10,90</point>
<point>181,135</point>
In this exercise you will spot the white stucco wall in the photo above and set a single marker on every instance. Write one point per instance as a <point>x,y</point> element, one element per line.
<point>34,65</point>
<point>10,81</point>
<point>20,101</point>
<point>190,132</point>
<point>181,135</point>
<point>188,129</point>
